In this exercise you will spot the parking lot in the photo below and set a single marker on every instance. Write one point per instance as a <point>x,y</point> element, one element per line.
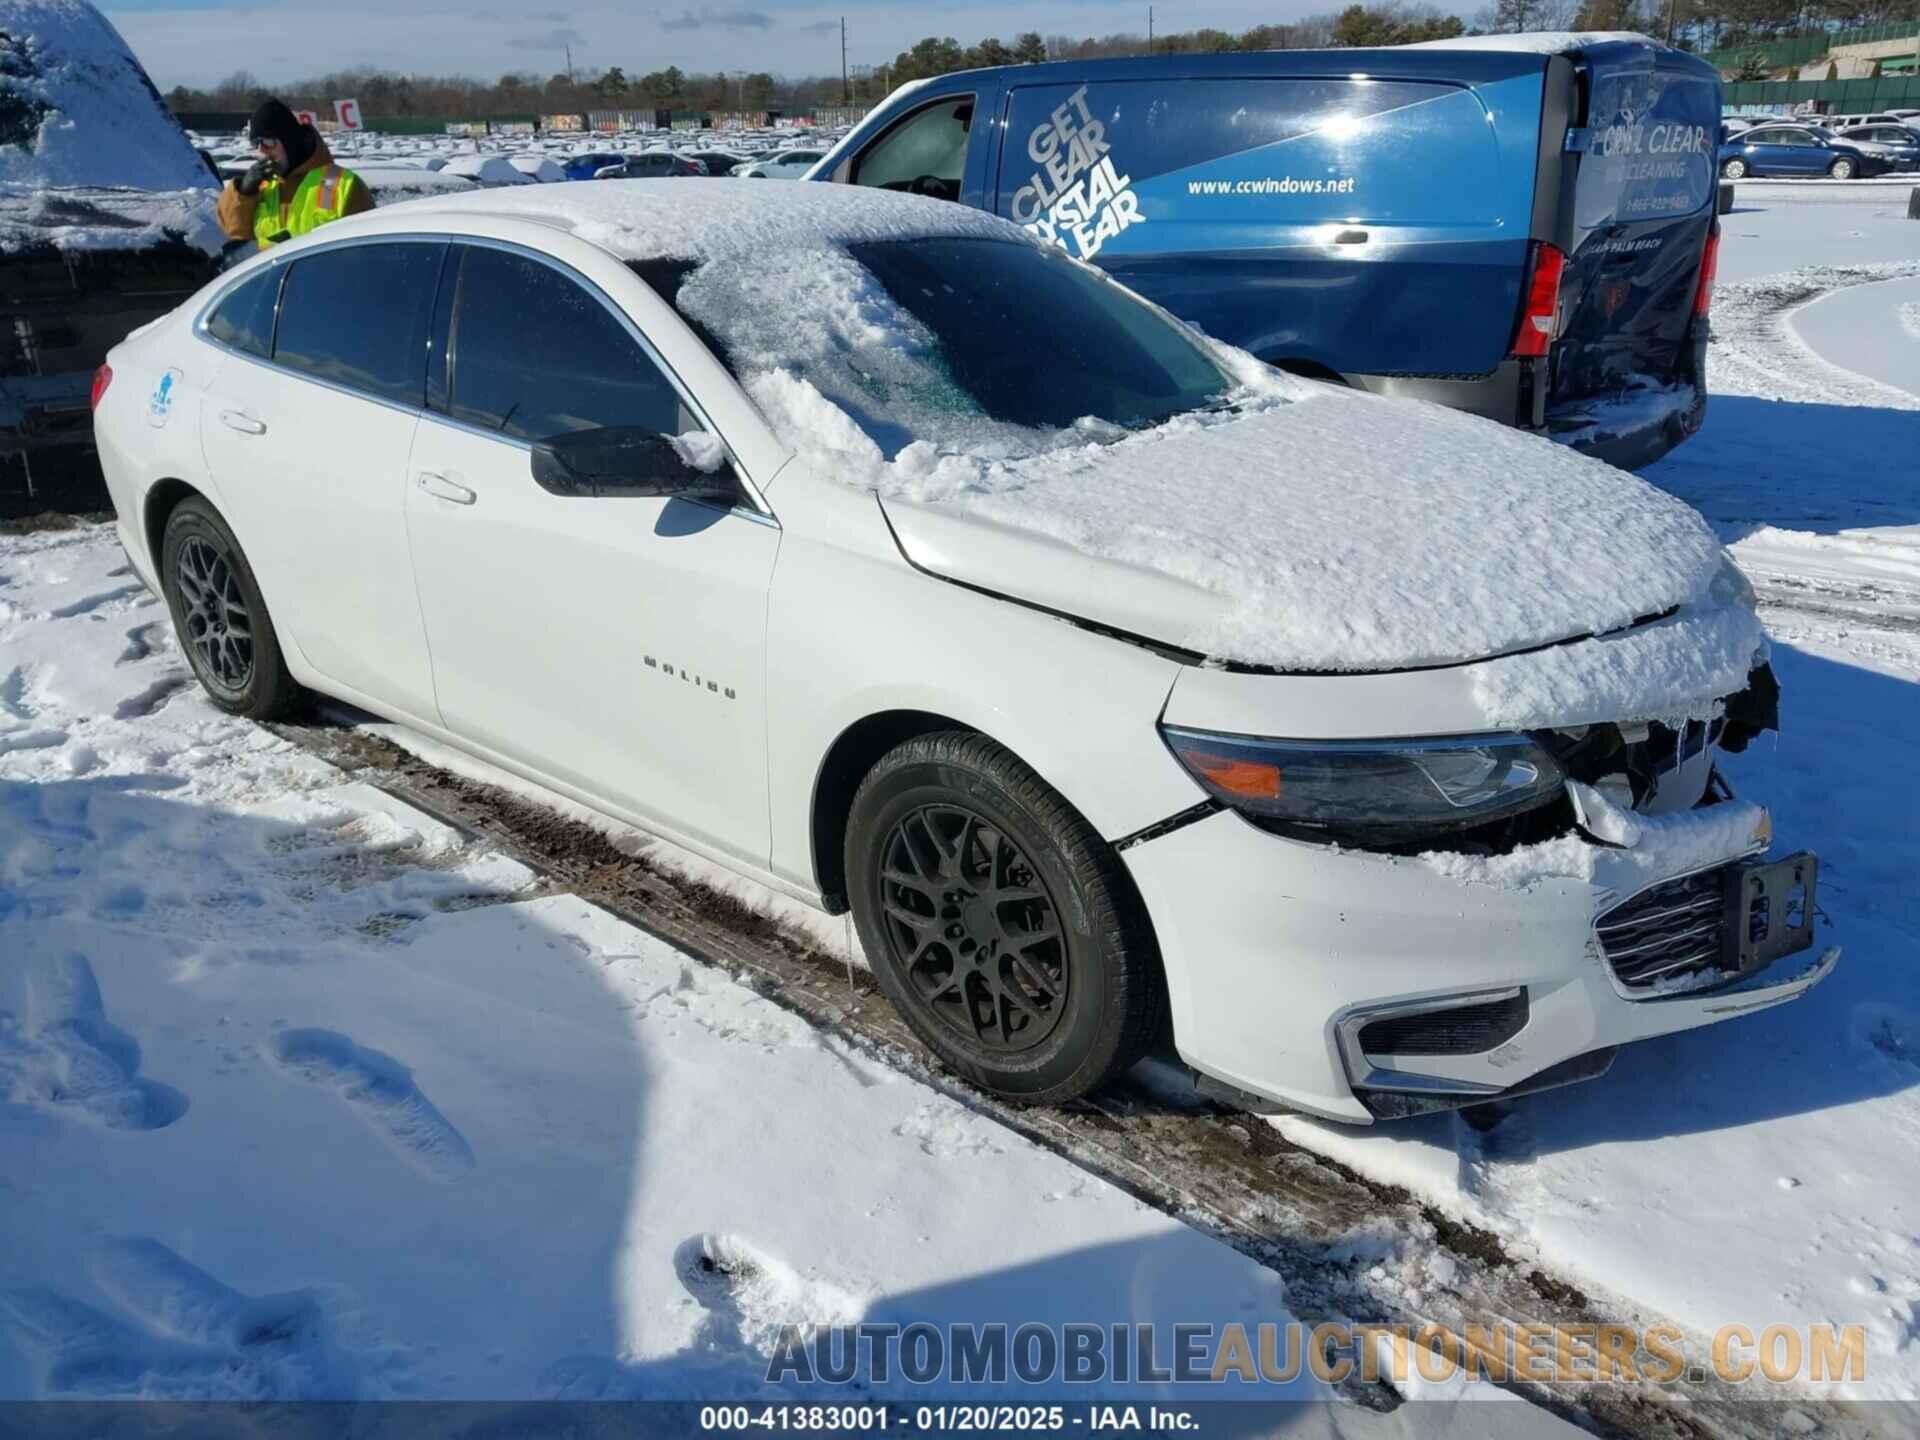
<point>1166,740</point>
<point>429,1090</point>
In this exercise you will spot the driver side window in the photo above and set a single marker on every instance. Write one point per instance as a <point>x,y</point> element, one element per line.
<point>532,355</point>
<point>925,154</point>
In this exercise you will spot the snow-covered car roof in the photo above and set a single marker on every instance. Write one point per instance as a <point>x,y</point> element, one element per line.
<point>659,219</point>
<point>89,157</point>
<point>1538,42</point>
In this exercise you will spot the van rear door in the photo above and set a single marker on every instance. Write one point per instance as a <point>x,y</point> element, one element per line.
<point>1643,205</point>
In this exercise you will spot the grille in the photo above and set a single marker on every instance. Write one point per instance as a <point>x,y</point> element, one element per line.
<point>1461,1030</point>
<point>1671,930</point>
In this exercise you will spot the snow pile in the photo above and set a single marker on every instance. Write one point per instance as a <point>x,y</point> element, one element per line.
<point>76,109</point>
<point>83,219</point>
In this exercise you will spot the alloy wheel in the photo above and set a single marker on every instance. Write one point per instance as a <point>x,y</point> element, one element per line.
<point>972,929</point>
<point>216,622</point>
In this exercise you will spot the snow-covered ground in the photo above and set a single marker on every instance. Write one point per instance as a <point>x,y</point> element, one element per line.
<point>303,1093</point>
<point>1768,1170</point>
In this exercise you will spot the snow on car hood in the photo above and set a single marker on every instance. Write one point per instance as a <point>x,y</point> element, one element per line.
<point>1323,531</point>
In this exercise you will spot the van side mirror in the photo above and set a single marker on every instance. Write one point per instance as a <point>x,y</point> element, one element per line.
<point>626,460</point>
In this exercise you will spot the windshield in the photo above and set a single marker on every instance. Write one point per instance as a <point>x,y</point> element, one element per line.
<point>998,347</point>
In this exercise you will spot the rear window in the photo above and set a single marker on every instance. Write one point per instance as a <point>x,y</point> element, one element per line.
<point>1652,148</point>
<point>244,316</point>
<point>357,316</point>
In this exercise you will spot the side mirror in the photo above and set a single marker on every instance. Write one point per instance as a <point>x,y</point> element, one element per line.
<point>626,460</point>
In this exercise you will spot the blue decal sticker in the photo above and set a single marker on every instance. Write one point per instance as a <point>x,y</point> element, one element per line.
<point>160,407</point>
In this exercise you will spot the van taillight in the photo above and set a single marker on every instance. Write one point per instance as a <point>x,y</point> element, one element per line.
<point>1540,318</point>
<point>102,378</point>
<point>1709,267</point>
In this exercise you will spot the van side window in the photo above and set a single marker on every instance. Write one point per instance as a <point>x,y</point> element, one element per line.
<point>926,154</point>
<point>244,318</point>
<point>534,355</point>
<point>357,315</point>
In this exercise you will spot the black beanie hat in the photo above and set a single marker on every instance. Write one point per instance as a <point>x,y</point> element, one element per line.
<point>274,121</point>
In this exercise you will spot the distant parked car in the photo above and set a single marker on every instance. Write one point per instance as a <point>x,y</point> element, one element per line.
<point>488,170</point>
<point>1899,143</point>
<point>1732,125</point>
<point>654,165</point>
<point>543,169</point>
<point>782,165</point>
<point>1798,150</point>
<point>391,184</point>
<point>588,165</point>
<point>718,162</point>
<point>1847,122</point>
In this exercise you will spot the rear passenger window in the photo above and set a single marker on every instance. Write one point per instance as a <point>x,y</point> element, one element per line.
<point>357,316</point>
<point>244,318</point>
<point>534,355</point>
<point>926,154</point>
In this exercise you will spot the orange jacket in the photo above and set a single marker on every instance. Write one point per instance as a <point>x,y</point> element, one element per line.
<point>237,210</point>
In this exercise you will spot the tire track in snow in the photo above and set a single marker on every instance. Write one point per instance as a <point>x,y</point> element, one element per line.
<point>1350,1249</point>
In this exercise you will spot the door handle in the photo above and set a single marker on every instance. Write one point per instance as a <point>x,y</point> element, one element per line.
<point>435,484</point>
<point>244,423</point>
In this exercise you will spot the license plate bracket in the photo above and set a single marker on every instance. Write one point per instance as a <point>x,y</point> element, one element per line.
<point>1769,911</point>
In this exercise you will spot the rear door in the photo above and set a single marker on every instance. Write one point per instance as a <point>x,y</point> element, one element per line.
<point>309,448</point>
<point>1261,208</point>
<point>1643,203</point>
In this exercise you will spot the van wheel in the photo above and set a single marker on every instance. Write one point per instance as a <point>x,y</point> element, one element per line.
<point>1841,169</point>
<point>219,617</point>
<point>999,923</point>
<point>1734,169</point>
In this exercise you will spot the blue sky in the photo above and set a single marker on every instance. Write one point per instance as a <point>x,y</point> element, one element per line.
<point>192,41</point>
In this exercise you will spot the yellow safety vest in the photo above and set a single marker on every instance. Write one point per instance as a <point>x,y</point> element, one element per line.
<point>321,195</point>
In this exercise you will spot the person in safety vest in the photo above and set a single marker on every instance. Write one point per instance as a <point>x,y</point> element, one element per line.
<point>293,188</point>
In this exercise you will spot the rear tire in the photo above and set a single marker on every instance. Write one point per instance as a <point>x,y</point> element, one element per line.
<point>1734,170</point>
<point>220,618</point>
<point>1841,169</point>
<point>1002,927</point>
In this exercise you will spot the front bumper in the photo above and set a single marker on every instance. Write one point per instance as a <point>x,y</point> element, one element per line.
<point>1278,953</point>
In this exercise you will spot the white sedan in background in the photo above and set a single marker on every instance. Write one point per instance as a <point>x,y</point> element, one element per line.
<point>489,170</point>
<point>781,165</point>
<point>903,564</point>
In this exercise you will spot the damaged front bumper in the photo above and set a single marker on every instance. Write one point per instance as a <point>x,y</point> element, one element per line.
<point>1359,986</point>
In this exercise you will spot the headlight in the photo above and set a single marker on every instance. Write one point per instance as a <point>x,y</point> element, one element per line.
<point>1370,792</point>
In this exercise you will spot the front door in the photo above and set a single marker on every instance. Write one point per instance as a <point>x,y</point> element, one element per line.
<point>613,642</point>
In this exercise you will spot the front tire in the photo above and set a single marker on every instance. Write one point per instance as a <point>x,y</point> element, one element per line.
<point>1841,169</point>
<point>219,617</point>
<point>1734,170</point>
<point>1000,924</point>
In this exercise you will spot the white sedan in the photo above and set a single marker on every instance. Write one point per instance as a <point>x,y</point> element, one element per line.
<point>862,544</point>
<point>781,165</point>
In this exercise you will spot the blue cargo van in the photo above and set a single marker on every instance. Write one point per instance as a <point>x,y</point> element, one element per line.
<point>1524,233</point>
